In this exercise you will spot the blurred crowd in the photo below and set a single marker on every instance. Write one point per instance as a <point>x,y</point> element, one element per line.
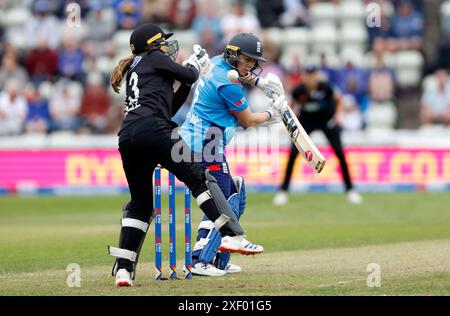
<point>59,80</point>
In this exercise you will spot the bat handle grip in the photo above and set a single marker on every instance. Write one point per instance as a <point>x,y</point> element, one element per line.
<point>285,104</point>
<point>275,96</point>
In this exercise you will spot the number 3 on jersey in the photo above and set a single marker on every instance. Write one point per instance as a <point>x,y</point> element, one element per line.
<point>132,102</point>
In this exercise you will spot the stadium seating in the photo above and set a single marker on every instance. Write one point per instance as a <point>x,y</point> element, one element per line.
<point>296,38</point>
<point>122,39</point>
<point>186,39</point>
<point>324,39</point>
<point>16,16</point>
<point>351,11</point>
<point>388,58</point>
<point>323,14</point>
<point>381,116</point>
<point>353,35</point>
<point>408,67</point>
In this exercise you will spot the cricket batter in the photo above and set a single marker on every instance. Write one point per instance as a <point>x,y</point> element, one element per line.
<point>145,140</point>
<point>217,107</point>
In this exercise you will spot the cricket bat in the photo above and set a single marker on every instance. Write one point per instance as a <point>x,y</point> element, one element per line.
<point>300,138</point>
<point>297,133</point>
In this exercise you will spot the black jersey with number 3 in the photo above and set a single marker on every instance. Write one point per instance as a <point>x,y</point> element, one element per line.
<point>317,105</point>
<point>149,87</point>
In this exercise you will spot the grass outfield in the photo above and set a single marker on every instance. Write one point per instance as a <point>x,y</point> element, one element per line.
<point>316,245</point>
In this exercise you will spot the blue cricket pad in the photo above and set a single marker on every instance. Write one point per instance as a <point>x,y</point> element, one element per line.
<point>237,202</point>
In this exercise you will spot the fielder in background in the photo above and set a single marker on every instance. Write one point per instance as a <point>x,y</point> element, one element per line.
<point>218,104</point>
<point>319,108</point>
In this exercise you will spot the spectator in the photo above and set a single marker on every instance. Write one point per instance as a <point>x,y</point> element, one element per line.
<point>108,61</point>
<point>101,22</point>
<point>155,11</point>
<point>416,4</point>
<point>328,73</point>
<point>64,107</point>
<point>269,12</point>
<point>13,110</point>
<point>435,105</point>
<point>443,49</point>
<point>59,7</point>
<point>42,26</point>
<point>295,14</point>
<point>7,4</point>
<point>351,117</point>
<point>128,13</point>
<point>2,40</point>
<point>379,35</point>
<point>407,28</point>
<point>11,70</point>
<point>381,111</point>
<point>71,60</point>
<point>182,13</point>
<point>293,75</point>
<point>351,79</point>
<point>209,20</point>
<point>209,42</point>
<point>272,53</point>
<point>38,116</point>
<point>95,106</point>
<point>381,83</point>
<point>42,63</point>
<point>238,20</point>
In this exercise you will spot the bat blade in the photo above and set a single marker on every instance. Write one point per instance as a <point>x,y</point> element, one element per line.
<point>301,139</point>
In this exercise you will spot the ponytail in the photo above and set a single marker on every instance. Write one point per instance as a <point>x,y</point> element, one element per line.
<point>119,72</point>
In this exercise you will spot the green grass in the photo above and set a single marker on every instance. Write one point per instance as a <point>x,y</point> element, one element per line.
<point>316,245</point>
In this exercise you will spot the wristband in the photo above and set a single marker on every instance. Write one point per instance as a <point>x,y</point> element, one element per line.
<point>270,114</point>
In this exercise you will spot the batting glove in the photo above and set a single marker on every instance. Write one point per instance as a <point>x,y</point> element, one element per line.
<point>271,84</point>
<point>278,103</point>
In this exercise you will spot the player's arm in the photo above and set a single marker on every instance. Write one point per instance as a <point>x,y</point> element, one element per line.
<point>179,97</point>
<point>234,97</point>
<point>186,75</point>
<point>248,118</point>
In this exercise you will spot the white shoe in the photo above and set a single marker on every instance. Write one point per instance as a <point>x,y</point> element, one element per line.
<point>233,268</point>
<point>281,198</point>
<point>123,278</point>
<point>207,269</point>
<point>240,245</point>
<point>353,197</point>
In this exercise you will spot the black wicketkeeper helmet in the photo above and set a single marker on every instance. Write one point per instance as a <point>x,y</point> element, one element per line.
<point>150,35</point>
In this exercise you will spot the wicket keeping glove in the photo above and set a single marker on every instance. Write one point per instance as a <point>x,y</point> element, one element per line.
<point>200,60</point>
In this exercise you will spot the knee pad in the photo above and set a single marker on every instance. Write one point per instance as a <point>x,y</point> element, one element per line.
<point>203,236</point>
<point>141,228</point>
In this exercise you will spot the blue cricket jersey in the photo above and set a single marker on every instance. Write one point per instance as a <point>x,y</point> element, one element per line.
<point>215,100</point>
